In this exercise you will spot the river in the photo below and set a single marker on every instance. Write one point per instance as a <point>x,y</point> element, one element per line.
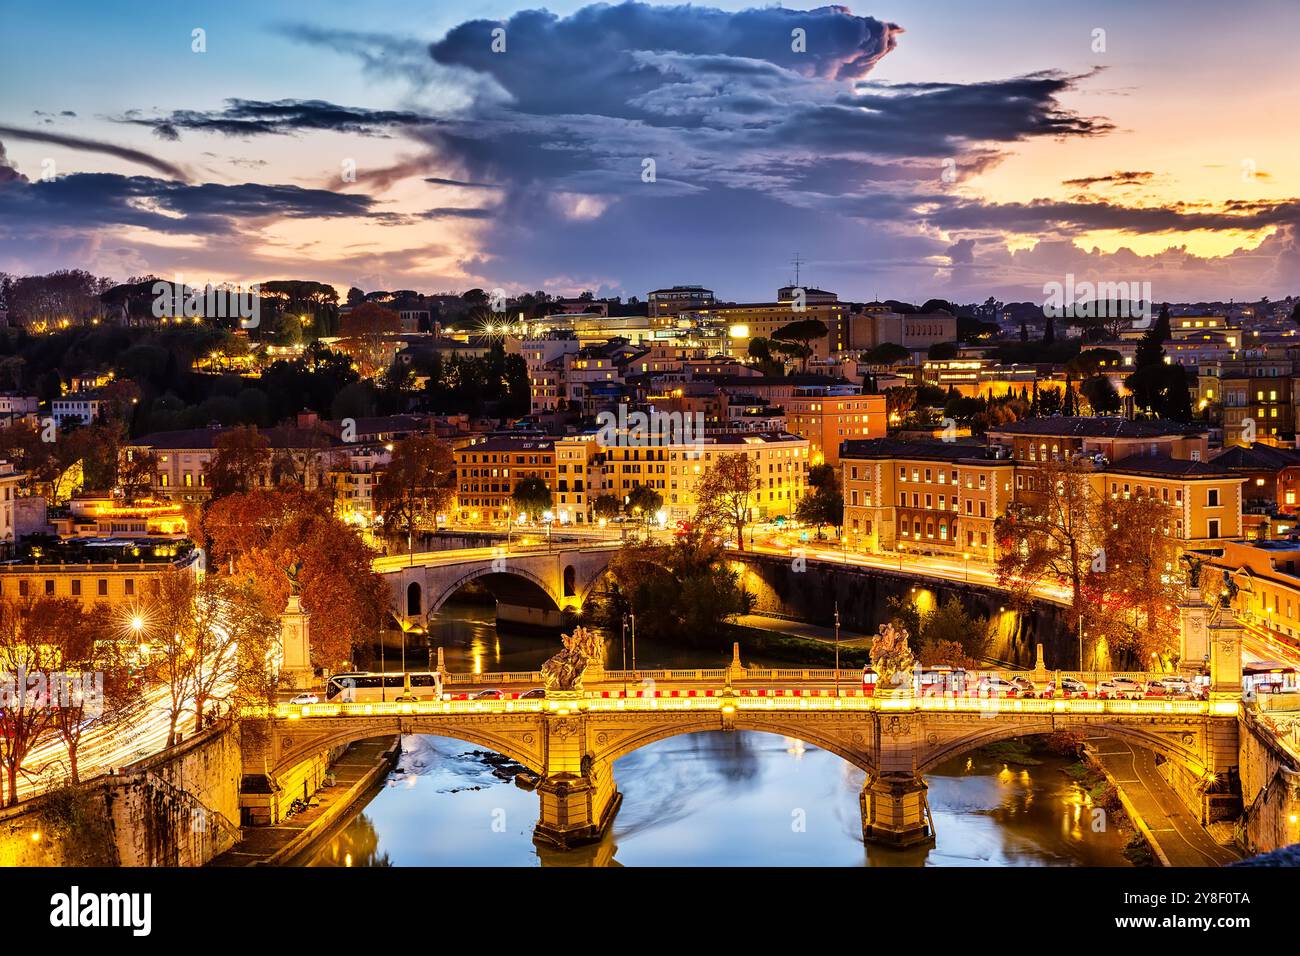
<point>709,799</point>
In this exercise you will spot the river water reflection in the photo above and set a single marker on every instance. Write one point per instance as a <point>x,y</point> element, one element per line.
<point>707,799</point>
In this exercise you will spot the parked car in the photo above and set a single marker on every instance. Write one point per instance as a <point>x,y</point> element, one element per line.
<point>1120,688</point>
<point>1169,687</point>
<point>489,694</point>
<point>1025,684</point>
<point>307,698</point>
<point>1069,687</point>
<point>533,694</point>
<point>996,687</point>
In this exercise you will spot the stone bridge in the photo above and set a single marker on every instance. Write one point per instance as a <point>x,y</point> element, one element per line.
<point>532,585</point>
<point>571,741</point>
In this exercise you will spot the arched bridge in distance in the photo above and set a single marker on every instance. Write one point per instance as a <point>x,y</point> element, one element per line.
<point>536,585</point>
<point>532,584</point>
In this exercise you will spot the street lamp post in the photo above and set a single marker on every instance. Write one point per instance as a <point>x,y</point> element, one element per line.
<point>633,617</point>
<point>624,655</point>
<point>837,648</point>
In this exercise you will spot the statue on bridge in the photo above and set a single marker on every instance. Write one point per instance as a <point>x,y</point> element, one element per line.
<point>292,572</point>
<point>564,671</point>
<point>892,657</point>
<point>1193,563</point>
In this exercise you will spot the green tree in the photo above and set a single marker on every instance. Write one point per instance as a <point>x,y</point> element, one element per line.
<point>887,353</point>
<point>824,502</point>
<point>606,506</point>
<point>682,593</point>
<point>645,502</point>
<point>531,497</point>
<point>802,332</point>
<point>1100,394</point>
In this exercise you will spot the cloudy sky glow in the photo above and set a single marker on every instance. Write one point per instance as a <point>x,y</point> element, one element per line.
<point>949,149</point>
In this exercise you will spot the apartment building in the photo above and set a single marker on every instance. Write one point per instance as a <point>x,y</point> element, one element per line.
<point>573,478</point>
<point>306,455</point>
<point>1256,394</point>
<point>931,497</point>
<point>77,408</point>
<point>108,571</point>
<point>830,415</point>
<point>943,497</point>
<point>748,321</point>
<point>877,324</point>
<point>10,518</point>
<point>1272,475</point>
<point>666,304</point>
<point>1207,499</point>
<point>489,469</point>
<point>1267,576</point>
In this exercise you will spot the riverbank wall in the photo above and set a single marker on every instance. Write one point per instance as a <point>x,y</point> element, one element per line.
<point>179,807</point>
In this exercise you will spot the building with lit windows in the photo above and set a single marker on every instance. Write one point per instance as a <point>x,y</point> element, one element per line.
<point>931,497</point>
<point>666,304</point>
<point>829,415</point>
<point>489,469</point>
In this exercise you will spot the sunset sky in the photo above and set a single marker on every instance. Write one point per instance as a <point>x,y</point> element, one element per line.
<point>912,150</point>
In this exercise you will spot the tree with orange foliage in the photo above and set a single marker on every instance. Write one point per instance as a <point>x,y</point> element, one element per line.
<point>362,333</point>
<point>1131,598</point>
<point>262,532</point>
<point>725,493</point>
<point>417,484</point>
<point>211,646</point>
<point>242,457</point>
<point>87,648</point>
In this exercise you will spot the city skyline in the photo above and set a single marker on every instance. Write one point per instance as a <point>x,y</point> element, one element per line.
<point>940,151</point>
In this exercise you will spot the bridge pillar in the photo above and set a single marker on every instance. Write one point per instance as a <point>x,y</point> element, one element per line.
<point>1225,635</point>
<point>896,811</point>
<point>295,636</point>
<point>1193,645</point>
<point>578,795</point>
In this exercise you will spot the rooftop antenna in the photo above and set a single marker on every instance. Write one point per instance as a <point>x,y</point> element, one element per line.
<point>797,263</point>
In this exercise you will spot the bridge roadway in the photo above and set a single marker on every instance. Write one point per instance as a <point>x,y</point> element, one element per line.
<point>571,740</point>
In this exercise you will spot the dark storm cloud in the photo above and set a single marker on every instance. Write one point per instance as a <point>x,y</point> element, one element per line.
<point>457,212</point>
<point>96,146</point>
<point>90,200</point>
<point>1044,215</point>
<point>595,60</point>
<point>440,181</point>
<point>1135,178</point>
<point>278,117</point>
<point>935,119</point>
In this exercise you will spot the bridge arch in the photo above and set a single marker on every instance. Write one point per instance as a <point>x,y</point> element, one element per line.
<point>414,599</point>
<point>524,747</point>
<point>1183,745</point>
<point>518,585</point>
<point>593,581</point>
<point>705,723</point>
